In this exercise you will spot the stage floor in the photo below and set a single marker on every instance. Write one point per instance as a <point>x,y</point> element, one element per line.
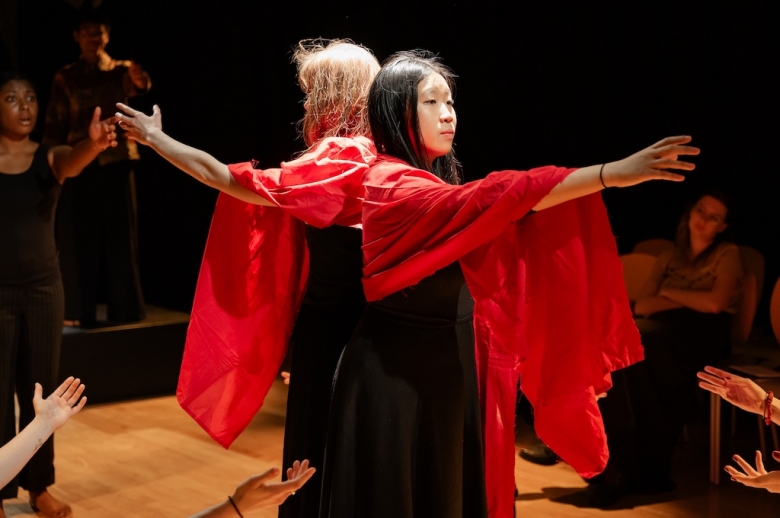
<point>148,459</point>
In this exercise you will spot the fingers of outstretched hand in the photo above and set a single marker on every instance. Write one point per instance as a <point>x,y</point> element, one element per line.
<point>666,163</point>
<point>77,408</point>
<point>710,379</point>
<point>747,468</point>
<point>731,470</point>
<point>760,463</point>
<point>264,477</point>
<point>676,150</point>
<point>128,111</point>
<point>672,141</point>
<point>59,391</point>
<point>76,395</point>
<point>718,391</point>
<point>96,115</point>
<point>71,389</point>
<point>718,372</point>
<point>38,391</point>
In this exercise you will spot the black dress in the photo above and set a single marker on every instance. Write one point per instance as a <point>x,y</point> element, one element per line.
<point>405,434</point>
<point>332,307</point>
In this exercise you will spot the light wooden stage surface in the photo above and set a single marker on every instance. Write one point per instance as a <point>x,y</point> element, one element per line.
<point>148,459</point>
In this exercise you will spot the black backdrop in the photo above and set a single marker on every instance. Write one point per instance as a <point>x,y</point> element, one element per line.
<point>569,83</point>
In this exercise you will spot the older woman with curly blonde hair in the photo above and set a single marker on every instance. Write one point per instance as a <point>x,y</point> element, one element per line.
<point>263,265</point>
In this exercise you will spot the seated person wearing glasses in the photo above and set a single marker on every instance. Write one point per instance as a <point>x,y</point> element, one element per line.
<point>684,317</point>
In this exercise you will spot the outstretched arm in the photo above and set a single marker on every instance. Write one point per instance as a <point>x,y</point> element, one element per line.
<point>200,165</point>
<point>741,392</point>
<point>258,492</point>
<point>67,161</point>
<point>50,414</point>
<point>758,476</point>
<point>647,164</point>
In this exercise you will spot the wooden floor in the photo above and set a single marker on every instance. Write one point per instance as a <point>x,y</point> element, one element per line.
<point>148,459</point>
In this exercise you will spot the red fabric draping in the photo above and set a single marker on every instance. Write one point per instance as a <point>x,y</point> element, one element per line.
<point>549,298</point>
<point>253,276</point>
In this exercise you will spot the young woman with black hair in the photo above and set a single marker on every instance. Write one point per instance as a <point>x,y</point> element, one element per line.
<point>31,296</point>
<point>445,270</point>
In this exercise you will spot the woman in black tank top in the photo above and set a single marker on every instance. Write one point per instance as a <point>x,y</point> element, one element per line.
<point>31,297</point>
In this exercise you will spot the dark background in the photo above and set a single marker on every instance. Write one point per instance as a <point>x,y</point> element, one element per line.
<point>553,82</point>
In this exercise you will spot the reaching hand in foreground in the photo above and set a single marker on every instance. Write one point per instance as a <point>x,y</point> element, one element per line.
<point>138,125</point>
<point>258,492</point>
<point>740,392</point>
<point>286,376</point>
<point>62,404</point>
<point>102,132</point>
<point>50,414</point>
<point>758,477</point>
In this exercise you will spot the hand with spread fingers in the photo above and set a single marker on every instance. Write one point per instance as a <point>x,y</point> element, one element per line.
<point>651,163</point>
<point>102,132</point>
<point>62,404</point>
<point>741,392</point>
<point>258,492</point>
<point>756,477</point>
<point>139,126</point>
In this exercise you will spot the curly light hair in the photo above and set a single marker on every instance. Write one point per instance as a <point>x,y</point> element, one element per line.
<point>336,76</point>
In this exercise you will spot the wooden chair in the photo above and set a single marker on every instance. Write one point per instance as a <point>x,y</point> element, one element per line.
<point>636,270</point>
<point>654,247</point>
<point>774,311</point>
<point>752,284</point>
<point>753,261</point>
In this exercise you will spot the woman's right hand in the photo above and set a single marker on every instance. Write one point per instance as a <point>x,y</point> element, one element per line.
<point>651,164</point>
<point>139,126</point>
<point>740,392</point>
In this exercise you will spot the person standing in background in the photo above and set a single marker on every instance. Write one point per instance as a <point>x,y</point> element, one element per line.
<point>96,220</point>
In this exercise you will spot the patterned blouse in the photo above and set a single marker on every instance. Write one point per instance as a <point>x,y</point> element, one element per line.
<point>669,273</point>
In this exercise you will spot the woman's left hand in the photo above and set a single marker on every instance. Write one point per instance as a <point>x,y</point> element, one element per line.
<point>758,477</point>
<point>102,132</point>
<point>651,163</point>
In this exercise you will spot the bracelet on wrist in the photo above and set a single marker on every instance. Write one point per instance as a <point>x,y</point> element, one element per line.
<point>601,176</point>
<point>230,499</point>
<point>768,408</point>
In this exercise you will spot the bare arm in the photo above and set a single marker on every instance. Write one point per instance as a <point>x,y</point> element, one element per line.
<point>196,163</point>
<point>647,164</point>
<point>741,392</point>
<point>716,299</point>
<point>67,161</point>
<point>649,301</point>
<point>258,492</point>
<point>50,414</point>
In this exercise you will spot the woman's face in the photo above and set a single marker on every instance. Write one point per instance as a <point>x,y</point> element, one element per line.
<point>436,114</point>
<point>18,108</point>
<point>708,218</point>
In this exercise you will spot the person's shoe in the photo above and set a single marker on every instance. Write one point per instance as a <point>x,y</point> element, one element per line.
<point>539,454</point>
<point>612,487</point>
<point>45,504</point>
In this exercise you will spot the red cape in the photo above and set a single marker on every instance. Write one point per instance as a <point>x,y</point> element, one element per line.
<point>253,276</point>
<point>550,302</point>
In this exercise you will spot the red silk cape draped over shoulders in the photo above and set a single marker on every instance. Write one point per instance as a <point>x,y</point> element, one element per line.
<point>550,303</point>
<point>253,277</point>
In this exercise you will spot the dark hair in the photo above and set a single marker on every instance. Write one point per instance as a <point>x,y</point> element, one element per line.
<point>683,236</point>
<point>392,110</point>
<point>7,76</point>
<point>88,15</point>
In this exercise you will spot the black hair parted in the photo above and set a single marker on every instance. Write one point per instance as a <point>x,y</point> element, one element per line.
<point>14,75</point>
<point>392,111</point>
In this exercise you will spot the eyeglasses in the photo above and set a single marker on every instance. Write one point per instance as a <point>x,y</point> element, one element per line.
<point>709,218</point>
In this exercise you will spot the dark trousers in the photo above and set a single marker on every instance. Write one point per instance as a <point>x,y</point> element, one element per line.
<point>651,401</point>
<point>97,239</point>
<point>30,337</point>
